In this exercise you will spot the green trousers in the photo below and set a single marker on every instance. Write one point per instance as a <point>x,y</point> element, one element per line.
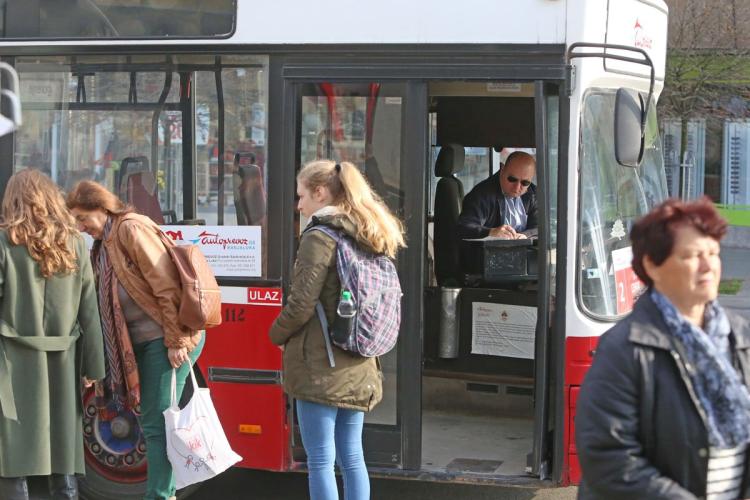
<point>156,378</point>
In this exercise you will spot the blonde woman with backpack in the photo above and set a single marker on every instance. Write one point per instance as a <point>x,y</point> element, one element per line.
<point>331,400</point>
<point>139,294</point>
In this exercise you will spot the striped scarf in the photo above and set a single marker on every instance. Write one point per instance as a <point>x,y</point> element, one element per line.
<point>120,389</point>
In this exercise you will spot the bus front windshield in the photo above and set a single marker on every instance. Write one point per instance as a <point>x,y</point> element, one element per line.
<point>612,197</point>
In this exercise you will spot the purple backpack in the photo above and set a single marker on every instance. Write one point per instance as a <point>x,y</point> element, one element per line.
<point>373,282</point>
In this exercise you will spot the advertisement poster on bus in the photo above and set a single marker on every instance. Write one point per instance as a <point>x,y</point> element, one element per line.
<point>629,287</point>
<point>230,250</point>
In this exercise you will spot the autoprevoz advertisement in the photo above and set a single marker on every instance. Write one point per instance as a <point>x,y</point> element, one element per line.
<point>230,250</point>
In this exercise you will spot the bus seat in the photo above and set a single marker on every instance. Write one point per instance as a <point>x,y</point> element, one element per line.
<point>129,166</point>
<point>141,193</point>
<point>138,188</point>
<point>449,196</point>
<point>252,194</point>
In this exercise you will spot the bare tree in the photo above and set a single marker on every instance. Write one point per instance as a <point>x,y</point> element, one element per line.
<point>706,58</point>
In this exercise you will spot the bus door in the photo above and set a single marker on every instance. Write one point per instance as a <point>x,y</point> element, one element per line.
<point>381,128</point>
<point>547,117</point>
<point>487,354</point>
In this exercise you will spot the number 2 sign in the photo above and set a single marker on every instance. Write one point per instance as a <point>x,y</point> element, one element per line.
<point>629,287</point>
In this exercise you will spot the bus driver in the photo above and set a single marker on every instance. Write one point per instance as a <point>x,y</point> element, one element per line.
<point>503,205</point>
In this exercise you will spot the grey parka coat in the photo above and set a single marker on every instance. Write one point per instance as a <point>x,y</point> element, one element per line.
<point>50,336</point>
<point>355,382</point>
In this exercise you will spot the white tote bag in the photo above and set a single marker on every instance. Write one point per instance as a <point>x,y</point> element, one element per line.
<point>196,444</point>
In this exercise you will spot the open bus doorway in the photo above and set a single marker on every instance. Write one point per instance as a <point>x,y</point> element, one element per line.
<point>484,370</point>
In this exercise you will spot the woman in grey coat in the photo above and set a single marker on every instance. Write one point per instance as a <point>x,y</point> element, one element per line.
<point>50,338</point>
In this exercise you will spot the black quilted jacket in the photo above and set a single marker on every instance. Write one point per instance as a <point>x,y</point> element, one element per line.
<point>639,430</point>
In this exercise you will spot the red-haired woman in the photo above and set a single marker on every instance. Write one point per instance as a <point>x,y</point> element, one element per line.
<point>664,411</point>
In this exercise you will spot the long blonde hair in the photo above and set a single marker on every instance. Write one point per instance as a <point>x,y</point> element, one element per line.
<point>351,194</point>
<point>34,215</point>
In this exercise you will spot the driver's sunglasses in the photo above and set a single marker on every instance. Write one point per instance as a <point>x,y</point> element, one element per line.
<point>513,180</point>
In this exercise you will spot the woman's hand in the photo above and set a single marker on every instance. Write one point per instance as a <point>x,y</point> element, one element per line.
<point>87,382</point>
<point>177,356</point>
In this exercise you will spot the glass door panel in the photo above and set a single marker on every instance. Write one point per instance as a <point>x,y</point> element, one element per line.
<point>363,123</point>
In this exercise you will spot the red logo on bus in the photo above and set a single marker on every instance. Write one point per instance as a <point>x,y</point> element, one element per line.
<point>642,40</point>
<point>175,235</point>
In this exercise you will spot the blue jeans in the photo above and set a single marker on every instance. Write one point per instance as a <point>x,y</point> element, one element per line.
<point>330,433</point>
<point>156,380</point>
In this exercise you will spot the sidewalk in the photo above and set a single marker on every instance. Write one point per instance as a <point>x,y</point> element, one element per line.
<point>739,303</point>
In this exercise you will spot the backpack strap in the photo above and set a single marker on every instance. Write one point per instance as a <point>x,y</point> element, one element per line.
<point>333,233</point>
<point>336,235</point>
<point>326,336</point>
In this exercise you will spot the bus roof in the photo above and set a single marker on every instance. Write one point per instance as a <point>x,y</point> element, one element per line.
<point>399,22</point>
<point>639,23</point>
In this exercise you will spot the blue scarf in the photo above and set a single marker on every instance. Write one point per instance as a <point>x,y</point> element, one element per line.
<point>717,385</point>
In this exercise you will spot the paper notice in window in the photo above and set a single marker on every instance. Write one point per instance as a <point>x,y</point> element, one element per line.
<point>629,287</point>
<point>503,330</point>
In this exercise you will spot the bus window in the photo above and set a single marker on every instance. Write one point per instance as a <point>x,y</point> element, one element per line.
<point>339,122</point>
<point>360,123</point>
<point>612,198</point>
<point>119,121</point>
<point>479,163</point>
<point>84,120</point>
<point>93,19</point>
<point>245,182</point>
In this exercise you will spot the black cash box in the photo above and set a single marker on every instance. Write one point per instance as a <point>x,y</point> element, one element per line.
<point>503,261</point>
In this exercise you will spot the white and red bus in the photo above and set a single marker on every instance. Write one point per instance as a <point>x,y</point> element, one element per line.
<point>157,99</point>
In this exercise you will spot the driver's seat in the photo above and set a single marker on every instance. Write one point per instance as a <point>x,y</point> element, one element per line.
<point>449,195</point>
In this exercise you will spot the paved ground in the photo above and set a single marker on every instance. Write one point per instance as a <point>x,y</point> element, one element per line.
<point>258,485</point>
<point>736,264</point>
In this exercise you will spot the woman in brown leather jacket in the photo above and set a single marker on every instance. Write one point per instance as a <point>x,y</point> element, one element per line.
<point>331,400</point>
<point>139,292</point>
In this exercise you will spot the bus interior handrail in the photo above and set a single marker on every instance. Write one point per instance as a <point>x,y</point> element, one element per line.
<point>11,95</point>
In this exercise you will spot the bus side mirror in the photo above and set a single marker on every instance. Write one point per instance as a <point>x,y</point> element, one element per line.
<point>628,128</point>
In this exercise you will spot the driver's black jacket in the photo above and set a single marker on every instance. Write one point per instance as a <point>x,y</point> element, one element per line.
<point>482,209</point>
